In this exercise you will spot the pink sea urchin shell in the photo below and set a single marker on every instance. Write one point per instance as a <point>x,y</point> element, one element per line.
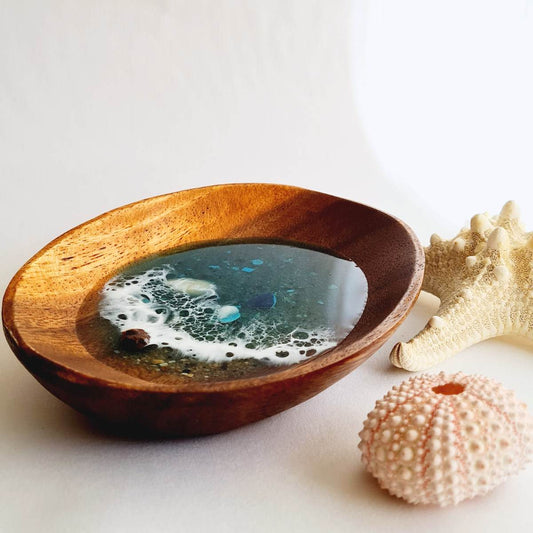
<point>444,438</point>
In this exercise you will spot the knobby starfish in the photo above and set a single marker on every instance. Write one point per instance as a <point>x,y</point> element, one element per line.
<point>484,279</point>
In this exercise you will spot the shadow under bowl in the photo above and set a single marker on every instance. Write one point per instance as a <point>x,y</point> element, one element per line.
<point>47,300</point>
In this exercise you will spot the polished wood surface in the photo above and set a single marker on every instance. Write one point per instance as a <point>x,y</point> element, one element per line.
<point>41,307</point>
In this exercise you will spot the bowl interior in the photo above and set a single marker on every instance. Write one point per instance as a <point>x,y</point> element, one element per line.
<point>54,295</point>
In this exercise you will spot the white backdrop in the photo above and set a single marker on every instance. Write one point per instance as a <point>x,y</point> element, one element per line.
<point>422,109</point>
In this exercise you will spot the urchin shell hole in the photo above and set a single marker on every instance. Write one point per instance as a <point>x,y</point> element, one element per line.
<point>449,389</point>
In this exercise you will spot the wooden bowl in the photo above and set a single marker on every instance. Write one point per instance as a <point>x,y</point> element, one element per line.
<point>45,301</point>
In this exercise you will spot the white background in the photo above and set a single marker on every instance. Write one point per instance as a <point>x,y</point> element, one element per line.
<point>422,109</point>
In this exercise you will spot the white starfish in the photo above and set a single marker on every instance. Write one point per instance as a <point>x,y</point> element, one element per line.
<point>484,279</point>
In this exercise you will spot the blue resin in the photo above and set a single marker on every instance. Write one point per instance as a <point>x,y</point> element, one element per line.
<point>208,303</point>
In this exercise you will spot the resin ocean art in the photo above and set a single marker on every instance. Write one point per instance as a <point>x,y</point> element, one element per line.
<point>262,304</point>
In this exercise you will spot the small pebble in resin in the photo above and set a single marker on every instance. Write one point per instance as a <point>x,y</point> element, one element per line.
<point>440,439</point>
<point>228,313</point>
<point>134,339</point>
<point>192,287</point>
<point>262,301</point>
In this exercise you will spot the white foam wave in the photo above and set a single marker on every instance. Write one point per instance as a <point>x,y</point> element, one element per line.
<point>188,323</point>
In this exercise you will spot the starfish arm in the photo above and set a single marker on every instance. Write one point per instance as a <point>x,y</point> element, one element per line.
<point>456,326</point>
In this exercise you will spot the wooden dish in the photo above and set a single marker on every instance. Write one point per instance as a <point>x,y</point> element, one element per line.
<point>45,301</point>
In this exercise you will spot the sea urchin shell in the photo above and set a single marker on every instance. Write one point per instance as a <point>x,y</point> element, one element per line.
<point>440,439</point>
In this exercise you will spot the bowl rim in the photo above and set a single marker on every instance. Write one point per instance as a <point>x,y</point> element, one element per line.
<point>359,348</point>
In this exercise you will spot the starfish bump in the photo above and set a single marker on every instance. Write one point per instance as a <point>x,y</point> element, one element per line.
<point>484,279</point>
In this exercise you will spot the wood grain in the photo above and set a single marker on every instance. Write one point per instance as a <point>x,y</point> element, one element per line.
<point>44,302</point>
